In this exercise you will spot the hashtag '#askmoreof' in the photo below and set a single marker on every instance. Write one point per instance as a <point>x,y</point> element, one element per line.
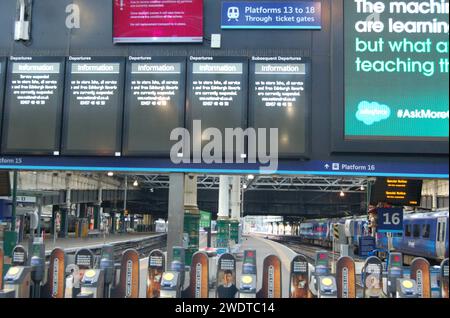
<point>400,113</point>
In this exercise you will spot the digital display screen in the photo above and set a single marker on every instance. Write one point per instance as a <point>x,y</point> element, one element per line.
<point>93,109</point>
<point>396,191</point>
<point>280,98</point>
<point>33,105</point>
<point>147,21</point>
<point>396,70</point>
<point>154,104</point>
<point>217,98</point>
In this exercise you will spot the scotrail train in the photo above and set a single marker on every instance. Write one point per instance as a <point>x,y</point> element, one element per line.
<point>425,234</point>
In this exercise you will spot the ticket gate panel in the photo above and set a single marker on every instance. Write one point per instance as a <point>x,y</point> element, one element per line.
<point>299,280</point>
<point>56,274</point>
<point>156,267</point>
<point>18,278</point>
<point>420,273</point>
<point>226,276</point>
<point>129,275</point>
<point>271,284</point>
<point>372,278</point>
<point>444,279</point>
<point>7,293</point>
<point>346,277</point>
<point>199,276</point>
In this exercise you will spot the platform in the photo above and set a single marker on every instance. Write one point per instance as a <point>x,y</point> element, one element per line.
<point>70,245</point>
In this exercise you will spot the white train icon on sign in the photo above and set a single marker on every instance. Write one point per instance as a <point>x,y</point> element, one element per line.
<point>233,13</point>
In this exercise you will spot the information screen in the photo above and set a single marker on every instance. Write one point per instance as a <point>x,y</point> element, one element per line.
<point>93,106</point>
<point>217,97</point>
<point>32,114</point>
<point>280,98</point>
<point>401,192</point>
<point>154,104</point>
<point>396,70</point>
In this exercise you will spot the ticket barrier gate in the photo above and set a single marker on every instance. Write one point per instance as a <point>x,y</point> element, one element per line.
<point>394,272</point>
<point>84,261</point>
<point>108,268</point>
<point>247,283</point>
<point>172,281</point>
<point>324,283</point>
<point>37,263</point>
<point>299,280</point>
<point>17,280</point>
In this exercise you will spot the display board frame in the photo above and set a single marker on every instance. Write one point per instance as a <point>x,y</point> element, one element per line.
<point>119,111</point>
<point>339,144</point>
<point>252,101</point>
<point>126,151</point>
<point>190,93</point>
<point>5,149</point>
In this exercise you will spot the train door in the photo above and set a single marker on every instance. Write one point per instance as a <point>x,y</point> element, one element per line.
<point>440,237</point>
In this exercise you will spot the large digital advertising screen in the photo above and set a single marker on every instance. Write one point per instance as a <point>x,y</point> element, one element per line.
<point>396,70</point>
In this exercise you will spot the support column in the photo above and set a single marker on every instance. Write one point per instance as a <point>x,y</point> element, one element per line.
<point>191,217</point>
<point>223,216</point>
<point>224,197</point>
<point>236,198</point>
<point>175,214</point>
<point>235,203</point>
<point>435,194</point>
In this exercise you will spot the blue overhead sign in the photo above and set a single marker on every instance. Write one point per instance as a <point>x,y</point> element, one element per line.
<point>390,220</point>
<point>288,167</point>
<point>271,15</point>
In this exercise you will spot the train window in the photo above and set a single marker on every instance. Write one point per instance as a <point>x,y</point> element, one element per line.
<point>416,230</point>
<point>426,230</point>
<point>408,230</point>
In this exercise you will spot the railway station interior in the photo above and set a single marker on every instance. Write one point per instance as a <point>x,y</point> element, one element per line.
<point>224,149</point>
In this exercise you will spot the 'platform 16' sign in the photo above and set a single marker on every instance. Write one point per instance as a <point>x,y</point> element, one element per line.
<point>390,220</point>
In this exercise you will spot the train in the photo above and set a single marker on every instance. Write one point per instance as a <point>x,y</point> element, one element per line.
<point>425,234</point>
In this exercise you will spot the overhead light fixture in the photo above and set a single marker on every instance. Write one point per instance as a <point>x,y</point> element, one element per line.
<point>342,194</point>
<point>362,188</point>
<point>250,177</point>
<point>110,174</point>
<point>244,186</point>
<point>135,183</point>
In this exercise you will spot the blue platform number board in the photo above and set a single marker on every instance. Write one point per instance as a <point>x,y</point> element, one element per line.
<point>304,15</point>
<point>390,220</point>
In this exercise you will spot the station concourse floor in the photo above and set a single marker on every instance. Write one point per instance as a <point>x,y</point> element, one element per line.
<point>263,248</point>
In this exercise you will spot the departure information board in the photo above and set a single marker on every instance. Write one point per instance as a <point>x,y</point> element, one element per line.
<point>93,109</point>
<point>154,104</point>
<point>32,111</point>
<point>396,191</point>
<point>280,98</point>
<point>217,96</point>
